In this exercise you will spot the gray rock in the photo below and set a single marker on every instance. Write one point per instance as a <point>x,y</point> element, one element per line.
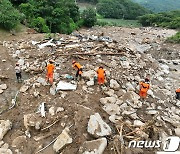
<point>52,90</point>
<point>5,151</point>
<point>97,127</point>
<point>177,131</point>
<point>52,111</point>
<point>42,81</point>
<point>93,147</point>
<point>5,126</point>
<point>1,91</point>
<point>3,86</point>
<point>138,123</point>
<point>114,84</point>
<point>89,74</point>
<point>108,100</point>
<point>112,109</point>
<point>62,140</point>
<point>24,88</point>
<point>90,83</point>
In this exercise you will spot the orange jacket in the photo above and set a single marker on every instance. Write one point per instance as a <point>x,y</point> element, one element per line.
<point>50,68</point>
<point>178,90</point>
<point>77,65</point>
<point>144,87</point>
<point>101,72</point>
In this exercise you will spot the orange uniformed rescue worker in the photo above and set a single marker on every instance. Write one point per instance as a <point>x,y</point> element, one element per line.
<point>144,87</point>
<point>78,67</point>
<point>178,93</point>
<point>101,75</point>
<point>50,71</point>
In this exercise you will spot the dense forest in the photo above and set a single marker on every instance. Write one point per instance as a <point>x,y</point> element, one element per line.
<point>160,5</point>
<point>119,9</point>
<point>166,19</point>
<point>45,16</point>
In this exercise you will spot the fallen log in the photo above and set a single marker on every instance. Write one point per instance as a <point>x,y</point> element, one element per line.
<point>93,54</point>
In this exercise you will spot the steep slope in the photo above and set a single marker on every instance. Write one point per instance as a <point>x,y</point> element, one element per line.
<point>160,5</point>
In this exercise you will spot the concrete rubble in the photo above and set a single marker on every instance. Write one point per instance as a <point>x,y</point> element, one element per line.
<point>62,140</point>
<point>98,114</point>
<point>97,127</point>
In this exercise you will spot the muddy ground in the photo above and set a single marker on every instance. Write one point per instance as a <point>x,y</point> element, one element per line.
<point>79,105</point>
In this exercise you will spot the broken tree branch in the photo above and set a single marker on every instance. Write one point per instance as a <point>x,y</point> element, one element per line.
<point>93,54</point>
<point>50,125</point>
<point>47,145</point>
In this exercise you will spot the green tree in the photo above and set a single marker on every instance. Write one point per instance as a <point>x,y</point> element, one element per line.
<point>89,17</point>
<point>119,9</point>
<point>59,15</point>
<point>9,16</point>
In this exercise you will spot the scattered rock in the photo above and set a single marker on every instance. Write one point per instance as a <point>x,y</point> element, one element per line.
<point>177,131</point>
<point>62,140</point>
<point>5,151</point>
<point>5,125</point>
<point>3,86</point>
<point>1,91</point>
<point>93,147</point>
<point>19,141</point>
<point>108,100</point>
<point>52,111</point>
<point>138,123</point>
<point>112,109</point>
<point>97,127</point>
<point>24,88</point>
<point>32,120</point>
<point>90,83</point>
<point>114,84</point>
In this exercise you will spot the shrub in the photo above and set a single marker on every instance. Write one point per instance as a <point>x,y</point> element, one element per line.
<point>89,17</point>
<point>9,16</point>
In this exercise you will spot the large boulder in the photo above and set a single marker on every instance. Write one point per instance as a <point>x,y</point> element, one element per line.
<point>93,147</point>
<point>62,140</point>
<point>89,75</point>
<point>114,84</point>
<point>5,125</point>
<point>3,86</point>
<point>97,127</point>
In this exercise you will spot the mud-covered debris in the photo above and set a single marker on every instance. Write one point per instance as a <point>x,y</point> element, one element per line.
<point>95,146</point>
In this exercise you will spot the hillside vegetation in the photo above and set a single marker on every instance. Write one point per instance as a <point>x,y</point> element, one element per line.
<point>160,5</point>
<point>117,9</point>
<point>165,19</point>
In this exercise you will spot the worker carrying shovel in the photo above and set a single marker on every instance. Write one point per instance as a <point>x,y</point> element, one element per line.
<point>78,67</point>
<point>144,87</point>
<point>50,71</point>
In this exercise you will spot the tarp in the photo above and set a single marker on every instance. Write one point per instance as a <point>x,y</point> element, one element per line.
<point>62,85</point>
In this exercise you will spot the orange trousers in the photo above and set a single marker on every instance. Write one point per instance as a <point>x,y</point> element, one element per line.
<point>142,94</point>
<point>49,77</point>
<point>101,79</point>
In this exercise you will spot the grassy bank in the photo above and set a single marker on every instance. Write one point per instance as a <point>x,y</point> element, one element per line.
<point>118,22</point>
